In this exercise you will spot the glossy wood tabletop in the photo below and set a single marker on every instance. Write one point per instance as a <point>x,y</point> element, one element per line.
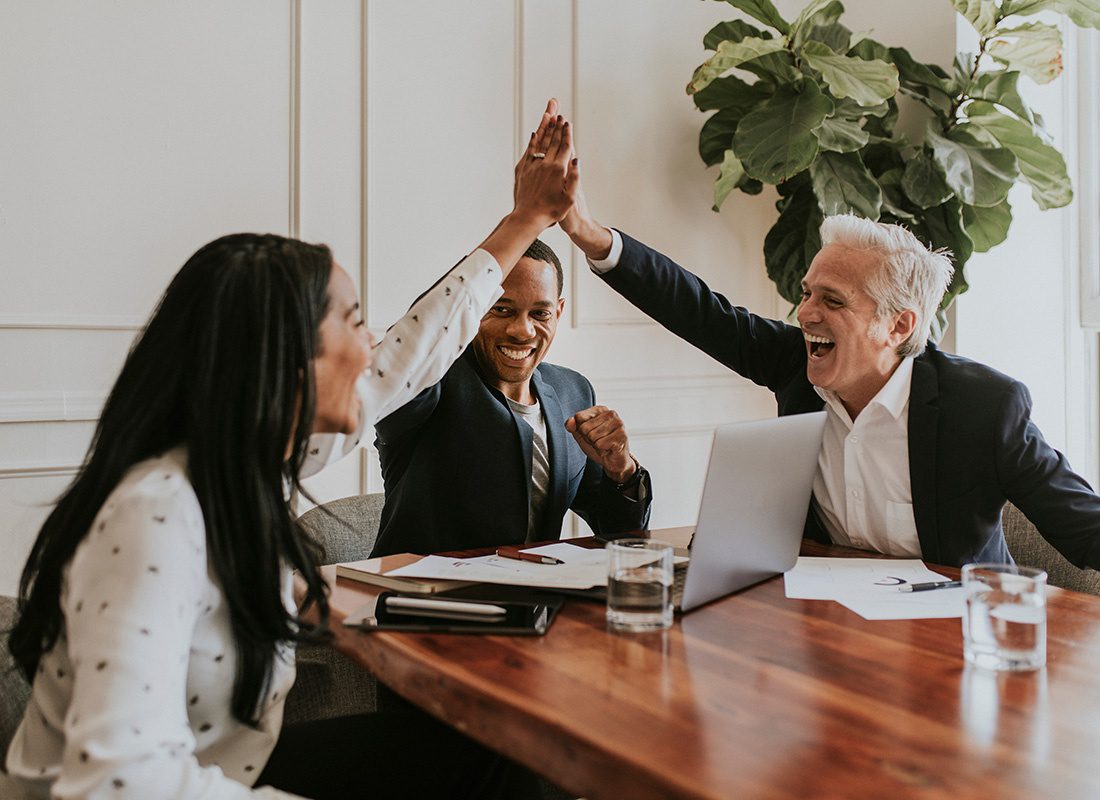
<point>756,696</point>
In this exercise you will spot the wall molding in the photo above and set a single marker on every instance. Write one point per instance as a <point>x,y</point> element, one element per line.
<point>58,406</point>
<point>72,322</point>
<point>40,471</point>
<point>294,165</point>
<point>366,282</point>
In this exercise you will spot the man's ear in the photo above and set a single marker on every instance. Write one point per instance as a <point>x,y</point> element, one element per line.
<point>904,325</point>
<point>561,306</point>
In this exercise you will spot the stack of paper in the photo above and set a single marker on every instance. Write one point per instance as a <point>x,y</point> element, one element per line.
<point>870,587</point>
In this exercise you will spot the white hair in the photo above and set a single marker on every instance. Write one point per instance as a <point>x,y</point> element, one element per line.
<point>911,277</point>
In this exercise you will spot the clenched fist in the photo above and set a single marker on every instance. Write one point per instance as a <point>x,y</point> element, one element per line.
<point>600,433</point>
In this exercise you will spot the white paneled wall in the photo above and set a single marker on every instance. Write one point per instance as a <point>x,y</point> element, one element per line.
<point>136,130</point>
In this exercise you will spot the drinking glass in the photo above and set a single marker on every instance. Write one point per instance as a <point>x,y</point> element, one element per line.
<point>1005,624</point>
<point>639,585</point>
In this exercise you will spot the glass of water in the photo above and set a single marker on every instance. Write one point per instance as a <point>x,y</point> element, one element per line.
<point>639,585</point>
<point>1005,625</point>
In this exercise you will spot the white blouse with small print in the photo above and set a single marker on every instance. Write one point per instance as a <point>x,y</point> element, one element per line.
<point>133,701</point>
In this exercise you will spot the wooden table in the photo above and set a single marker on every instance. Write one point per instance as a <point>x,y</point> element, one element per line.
<point>759,696</point>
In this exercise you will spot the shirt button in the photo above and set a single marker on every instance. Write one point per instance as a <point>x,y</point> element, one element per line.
<point>855,493</point>
<point>853,439</point>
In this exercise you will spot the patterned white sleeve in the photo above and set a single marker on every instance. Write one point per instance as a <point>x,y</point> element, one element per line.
<point>133,592</point>
<point>417,351</point>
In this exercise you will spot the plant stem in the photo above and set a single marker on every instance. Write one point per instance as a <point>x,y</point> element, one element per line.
<point>956,104</point>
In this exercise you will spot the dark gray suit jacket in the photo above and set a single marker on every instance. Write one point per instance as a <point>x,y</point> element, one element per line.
<point>456,462</point>
<point>972,443</point>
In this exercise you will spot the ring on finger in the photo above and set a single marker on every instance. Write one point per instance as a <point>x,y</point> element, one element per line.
<point>538,155</point>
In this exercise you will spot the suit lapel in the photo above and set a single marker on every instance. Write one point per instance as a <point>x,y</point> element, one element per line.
<point>923,418</point>
<point>558,446</point>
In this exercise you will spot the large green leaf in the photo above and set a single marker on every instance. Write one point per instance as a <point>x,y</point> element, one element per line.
<point>732,31</point>
<point>816,13</point>
<point>942,227</point>
<point>850,109</point>
<point>867,82</point>
<point>1000,88</point>
<point>731,94</point>
<point>980,176</point>
<point>870,50</point>
<point>776,68</point>
<point>1034,49</point>
<point>730,55</point>
<point>894,202</point>
<point>982,14</point>
<point>987,227</point>
<point>1085,13</point>
<point>925,79</point>
<point>716,136</point>
<point>883,126</point>
<point>762,11</point>
<point>844,186</point>
<point>731,174</point>
<point>1040,164</point>
<point>793,241</point>
<point>776,141</point>
<point>924,182</point>
<point>882,156</point>
<point>836,37</point>
<point>841,135</point>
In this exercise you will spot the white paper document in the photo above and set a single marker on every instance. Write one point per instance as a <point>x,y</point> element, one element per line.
<point>582,568</point>
<point>869,587</point>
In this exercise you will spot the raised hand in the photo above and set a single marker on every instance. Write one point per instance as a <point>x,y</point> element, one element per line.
<point>602,436</point>
<point>547,175</point>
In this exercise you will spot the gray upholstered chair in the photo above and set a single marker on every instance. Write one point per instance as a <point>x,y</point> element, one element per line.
<point>1030,549</point>
<point>14,692</point>
<point>328,683</point>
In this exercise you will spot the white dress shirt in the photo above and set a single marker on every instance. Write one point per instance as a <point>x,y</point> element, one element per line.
<point>861,490</point>
<point>133,701</point>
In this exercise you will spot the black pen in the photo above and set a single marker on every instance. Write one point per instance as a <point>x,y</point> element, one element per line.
<point>927,587</point>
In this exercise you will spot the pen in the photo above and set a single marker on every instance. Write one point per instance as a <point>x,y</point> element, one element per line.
<point>927,587</point>
<point>520,555</point>
<point>443,606</point>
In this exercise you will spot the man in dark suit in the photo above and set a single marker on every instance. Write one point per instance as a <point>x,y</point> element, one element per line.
<point>921,448</point>
<point>499,450</point>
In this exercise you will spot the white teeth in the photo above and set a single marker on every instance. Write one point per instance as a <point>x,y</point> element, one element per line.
<point>516,355</point>
<point>818,339</point>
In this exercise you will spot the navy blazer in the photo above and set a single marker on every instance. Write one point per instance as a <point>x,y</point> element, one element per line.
<point>456,462</point>
<point>972,444</point>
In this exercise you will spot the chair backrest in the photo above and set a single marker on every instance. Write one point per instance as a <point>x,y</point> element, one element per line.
<point>14,689</point>
<point>1030,549</point>
<point>345,528</point>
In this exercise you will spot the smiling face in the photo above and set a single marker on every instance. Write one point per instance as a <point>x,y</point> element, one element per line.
<point>516,333</point>
<point>345,354</point>
<point>851,352</point>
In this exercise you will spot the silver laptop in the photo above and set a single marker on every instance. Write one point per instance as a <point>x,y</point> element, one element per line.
<point>757,492</point>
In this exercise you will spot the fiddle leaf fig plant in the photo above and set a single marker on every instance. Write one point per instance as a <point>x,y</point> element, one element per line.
<point>810,108</point>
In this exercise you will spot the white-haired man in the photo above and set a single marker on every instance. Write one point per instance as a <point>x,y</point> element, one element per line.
<point>921,448</point>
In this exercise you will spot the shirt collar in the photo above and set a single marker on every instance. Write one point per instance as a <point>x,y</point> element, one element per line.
<point>893,396</point>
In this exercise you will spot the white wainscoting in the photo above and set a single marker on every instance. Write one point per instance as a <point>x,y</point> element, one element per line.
<point>387,129</point>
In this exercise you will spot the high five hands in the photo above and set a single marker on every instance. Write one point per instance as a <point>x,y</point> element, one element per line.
<point>601,435</point>
<point>547,175</point>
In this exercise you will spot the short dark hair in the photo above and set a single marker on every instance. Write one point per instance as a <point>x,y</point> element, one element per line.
<point>540,251</point>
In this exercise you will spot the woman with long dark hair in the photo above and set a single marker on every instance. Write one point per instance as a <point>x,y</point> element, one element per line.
<point>157,609</point>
